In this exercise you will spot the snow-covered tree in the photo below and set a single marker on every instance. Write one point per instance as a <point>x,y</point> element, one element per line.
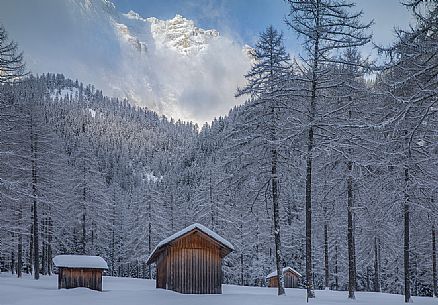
<point>12,66</point>
<point>410,83</point>
<point>261,127</point>
<point>326,28</point>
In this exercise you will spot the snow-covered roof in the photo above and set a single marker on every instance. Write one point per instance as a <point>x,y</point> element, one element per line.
<point>185,231</point>
<point>80,261</point>
<point>274,273</point>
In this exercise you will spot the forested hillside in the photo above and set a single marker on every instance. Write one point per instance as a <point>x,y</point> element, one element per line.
<point>82,173</point>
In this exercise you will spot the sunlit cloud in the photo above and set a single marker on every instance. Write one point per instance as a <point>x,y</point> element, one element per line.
<point>82,40</point>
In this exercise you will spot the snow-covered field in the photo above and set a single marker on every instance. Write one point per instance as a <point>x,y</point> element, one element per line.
<point>125,291</point>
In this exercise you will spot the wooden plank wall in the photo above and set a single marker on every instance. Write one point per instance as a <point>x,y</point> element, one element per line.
<point>273,281</point>
<point>77,277</point>
<point>290,280</point>
<point>162,270</point>
<point>193,265</point>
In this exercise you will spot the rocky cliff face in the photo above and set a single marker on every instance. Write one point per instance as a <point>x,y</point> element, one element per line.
<point>181,35</point>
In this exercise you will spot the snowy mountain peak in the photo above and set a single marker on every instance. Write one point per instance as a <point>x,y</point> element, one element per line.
<point>134,15</point>
<point>126,35</point>
<point>181,35</point>
<point>178,34</point>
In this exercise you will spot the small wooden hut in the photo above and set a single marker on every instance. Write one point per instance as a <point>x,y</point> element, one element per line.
<point>291,278</point>
<point>80,271</point>
<point>190,261</point>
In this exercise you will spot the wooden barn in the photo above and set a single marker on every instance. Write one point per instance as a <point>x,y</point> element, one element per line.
<point>190,261</point>
<point>80,271</point>
<point>291,278</point>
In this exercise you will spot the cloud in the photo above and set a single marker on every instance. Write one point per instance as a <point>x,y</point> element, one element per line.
<point>204,86</point>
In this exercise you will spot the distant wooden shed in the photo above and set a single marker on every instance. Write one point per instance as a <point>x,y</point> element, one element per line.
<point>190,261</point>
<point>80,271</point>
<point>291,278</point>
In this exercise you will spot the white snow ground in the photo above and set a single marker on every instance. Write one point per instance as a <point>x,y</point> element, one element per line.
<point>126,291</point>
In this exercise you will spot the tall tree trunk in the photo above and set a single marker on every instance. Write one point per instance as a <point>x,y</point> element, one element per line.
<point>171,213</point>
<point>49,245</point>
<point>309,162</point>
<point>241,252</point>
<point>336,267</point>
<point>150,234</point>
<point>83,237</point>
<point>368,285</point>
<point>20,242</point>
<point>376,280</point>
<point>274,180</point>
<point>274,190</point>
<point>350,238</point>
<point>415,276</point>
<point>30,258</point>
<point>13,259</point>
<point>43,245</point>
<point>150,248</point>
<point>113,235</point>
<point>406,240</point>
<point>93,230</point>
<point>84,210</point>
<point>326,257</point>
<point>113,252</point>
<point>354,255</point>
<point>435,292</point>
<point>242,270</point>
<point>36,264</point>
<point>2,262</point>
<point>210,196</point>
<point>20,255</point>
<point>309,284</point>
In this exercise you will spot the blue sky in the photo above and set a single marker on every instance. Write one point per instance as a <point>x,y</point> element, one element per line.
<point>244,19</point>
